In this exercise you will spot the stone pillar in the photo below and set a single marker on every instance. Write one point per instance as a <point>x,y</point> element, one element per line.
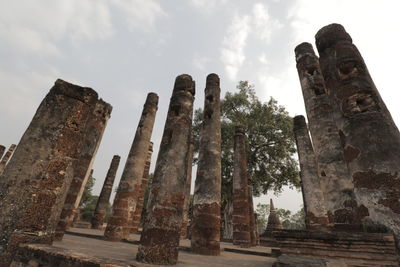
<point>104,198</point>
<point>256,229</point>
<point>93,134</point>
<point>139,207</point>
<point>314,206</point>
<point>6,158</point>
<point>185,220</point>
<point>274,223</point>
<point>336,184</point>
<point>2,149</point>
<point>206,223</point>
<point>160,237</point>
<point>370,139</point>
<point>253,226</point>
<point>36,180</point>
<point>126,198</point>
<point>240,217</point>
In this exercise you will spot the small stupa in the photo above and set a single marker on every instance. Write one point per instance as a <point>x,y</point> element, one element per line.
<point>273,219</point>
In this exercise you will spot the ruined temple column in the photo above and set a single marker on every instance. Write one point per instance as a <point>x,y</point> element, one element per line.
<point>185,220</point>
<point>93,134</point>
<point>336,184</point>
<point>2,149</point>
<point>104,198</point>
<point>160,237</point>
<point>253,226</point>
<point>139,207</point>
<point>206,223</point>
<point>127,194</point>
<point>34,185</point>
<point>314,202</point>
<point>370,139</point>
<point>274,223</point>
<point>240,217</point>
<point>6,157</point>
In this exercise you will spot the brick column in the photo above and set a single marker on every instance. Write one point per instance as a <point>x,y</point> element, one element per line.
<point>332,169</point>
<point>370,139</point>
<point>6,158</point>
<point>253,225</point>
<point>185,220</point>
<point>36,180</point>
<point>160,236</point>
<point>139,207</point>
<point>104,198</point>
<point>240,217</point>
<point>126,198</point>
<point>93,134</point>
<point>2,149</point>
<point>314,202</point>
<point>206,224</point>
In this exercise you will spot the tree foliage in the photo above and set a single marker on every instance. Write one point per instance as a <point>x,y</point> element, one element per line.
<point>270,140</point>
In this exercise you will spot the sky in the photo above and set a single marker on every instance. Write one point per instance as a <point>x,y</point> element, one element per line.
<point>126,48</point>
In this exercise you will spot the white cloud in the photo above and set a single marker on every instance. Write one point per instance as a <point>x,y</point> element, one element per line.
<point>264,24</point>
<point>208,6</point>
<point>140,14</point>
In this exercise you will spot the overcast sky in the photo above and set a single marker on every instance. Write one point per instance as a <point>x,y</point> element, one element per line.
<point>126,48</point>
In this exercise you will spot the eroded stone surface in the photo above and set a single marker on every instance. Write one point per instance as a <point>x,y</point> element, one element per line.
<point>92,135</point>
<point>35,182</point>
<point>370,138</point>
<point>6,157</point>
<point>314,201</point>
<point>206,223</point>
<point>160,236</point>
<point>185,233</point>
<point>104,198</point>
<point>120,222</point>
<point>240,217</point>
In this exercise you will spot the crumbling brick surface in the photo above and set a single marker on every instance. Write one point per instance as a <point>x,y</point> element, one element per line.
<point>162,227</point>
<point>34,185</point>
<point>206,225</point>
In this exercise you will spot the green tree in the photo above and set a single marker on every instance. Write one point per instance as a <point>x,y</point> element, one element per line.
<point>88,200</point>
<point>270,140</point>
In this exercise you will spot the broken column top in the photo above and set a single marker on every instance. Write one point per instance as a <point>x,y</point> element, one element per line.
<point>304,49</point>
<point>299,122</point>
<point>152,99</point>
<point>184,82</point>
<point>330,35</point>
<point>103,109</point>
<point>84,94</point>
<point>212,80</point>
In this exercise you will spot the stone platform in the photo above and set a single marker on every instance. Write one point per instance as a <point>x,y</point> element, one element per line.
<point>85,248</point>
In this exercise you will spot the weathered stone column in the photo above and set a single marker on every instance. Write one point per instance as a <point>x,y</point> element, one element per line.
<point>314,206</point>
<point>160,236</point>
<point>6,158</point>
<point>139,207</point>
<point>2,149</point>
<point>93,134</point>
<point>240,217</point>
<point>104,198</point>
<point>127,194</point>
<point>206,223</point>
<point>253,226</point>
<point>274,223</point>
<point>336,184</point>
<point>256,229</point>
<point>185,220</point>
<point>36,180</point>
<point>370,139</point>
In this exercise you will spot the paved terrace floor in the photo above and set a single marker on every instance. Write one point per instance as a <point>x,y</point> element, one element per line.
<point>88,242</point>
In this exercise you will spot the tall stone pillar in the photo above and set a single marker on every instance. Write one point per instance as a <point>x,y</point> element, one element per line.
<point>127,194</point>
<point>36,180</point>
<point>335,181</point>
<point>253,226</point>
<point>370,139</point>
<point>2,149</point>
<point>205,235</point>
<point>314,206</point>
<point>6,158</point>
<point>160,237</point>
<point>188,185</point>
<point>139,207</point>
<point>274,223</point>
<point>93,134</point>
<point>240,217</point>
<point>104,198</point>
